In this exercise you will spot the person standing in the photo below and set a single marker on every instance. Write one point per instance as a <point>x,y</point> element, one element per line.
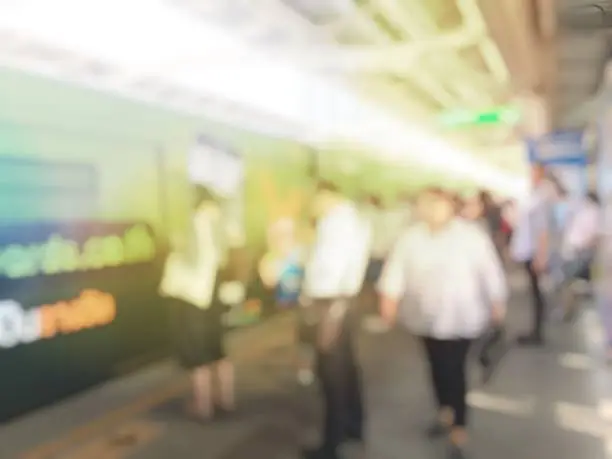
<point>578,248</point>
<point>334,275</point>
<point>191,285</point>
<point>446,316</point>
<point>492,214</point>
<point>530,245</point>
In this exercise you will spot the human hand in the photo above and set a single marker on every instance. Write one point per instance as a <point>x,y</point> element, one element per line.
<point>498,314</point>
<point>388,312</point>
<point>539,264</point>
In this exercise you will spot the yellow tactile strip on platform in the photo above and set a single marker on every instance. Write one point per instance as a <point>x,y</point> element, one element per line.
<point>119,443</point>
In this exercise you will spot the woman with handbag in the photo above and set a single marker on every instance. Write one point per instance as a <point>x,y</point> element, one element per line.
<point>191,285</point>
<point>445,282</point>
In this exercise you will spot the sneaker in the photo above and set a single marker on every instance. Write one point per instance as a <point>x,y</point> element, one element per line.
<point>437,430</point>
<point>530,340</point>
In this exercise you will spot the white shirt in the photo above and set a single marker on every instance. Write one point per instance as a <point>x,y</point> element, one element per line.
<point>533,218</point>
<point>338,261</point>
<point>446,280</point>
<point>195,282</point>
<point>583,228</point>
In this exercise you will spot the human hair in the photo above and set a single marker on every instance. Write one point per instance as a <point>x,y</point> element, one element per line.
<point>203,194</point>
<point>593,197</point>
<point>438,192</point>
<point>485,197</point>
<point>558,186</point>
<point>326,185</point>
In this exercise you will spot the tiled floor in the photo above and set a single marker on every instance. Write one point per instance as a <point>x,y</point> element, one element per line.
<point>554,402</point>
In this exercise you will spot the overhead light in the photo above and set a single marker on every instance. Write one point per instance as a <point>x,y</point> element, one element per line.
<point>493,116</point>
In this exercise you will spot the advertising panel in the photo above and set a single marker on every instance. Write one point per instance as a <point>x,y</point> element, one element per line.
<point>78,303</point>
<point>564,155</point>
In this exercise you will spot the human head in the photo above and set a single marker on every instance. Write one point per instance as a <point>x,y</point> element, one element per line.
<point>281,235</point>
<point>538,173</point>
<point>374,201</point>
<point>593,197</point>
<point>473,207</point>
<point>436,206</point>
<point>485,198</point>
<point>325,197</point>
<point>205,196</point>
<point>559,191</point>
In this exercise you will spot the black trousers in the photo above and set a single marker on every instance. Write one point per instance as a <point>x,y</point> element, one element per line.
<point>340,381</point>
<point>447,363</point>
<point>537,298</point>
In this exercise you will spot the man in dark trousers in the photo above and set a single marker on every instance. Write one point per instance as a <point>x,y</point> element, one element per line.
<point>334,275</point>
<point>530,246</point>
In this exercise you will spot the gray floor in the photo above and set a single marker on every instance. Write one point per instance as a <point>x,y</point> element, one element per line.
<point>546,403</point>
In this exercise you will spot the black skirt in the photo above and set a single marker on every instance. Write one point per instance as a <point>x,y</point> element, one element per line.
<point>197,334</point>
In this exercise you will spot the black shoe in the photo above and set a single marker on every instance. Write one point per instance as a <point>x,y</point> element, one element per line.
<point>356,436</point>
<point>437,430</point>
<point>223,413</point>
<point>570,316</point>
<point>455,452</point>
<point>319,453</point>
<point>530,340</point>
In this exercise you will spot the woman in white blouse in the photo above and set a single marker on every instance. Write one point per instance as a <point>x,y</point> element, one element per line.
<point>191,284</point>
<point>444,281</point>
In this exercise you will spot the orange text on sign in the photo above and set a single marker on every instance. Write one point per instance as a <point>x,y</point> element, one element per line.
<point>91,309</point>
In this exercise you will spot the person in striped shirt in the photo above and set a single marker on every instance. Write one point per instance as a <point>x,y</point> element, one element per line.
<point>444,281</point>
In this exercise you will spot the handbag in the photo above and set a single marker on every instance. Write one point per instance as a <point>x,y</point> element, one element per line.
<point>493,347</point>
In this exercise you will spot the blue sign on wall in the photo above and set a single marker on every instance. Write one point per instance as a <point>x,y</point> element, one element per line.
<point>564,155</point>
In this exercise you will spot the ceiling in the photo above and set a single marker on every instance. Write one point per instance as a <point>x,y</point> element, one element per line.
<point>583,50</point>
<point>409,60</point>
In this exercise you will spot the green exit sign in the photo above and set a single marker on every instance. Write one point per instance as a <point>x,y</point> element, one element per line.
<point>497,115</point>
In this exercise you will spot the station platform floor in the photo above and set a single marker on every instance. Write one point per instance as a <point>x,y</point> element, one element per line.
<point>553,402</point>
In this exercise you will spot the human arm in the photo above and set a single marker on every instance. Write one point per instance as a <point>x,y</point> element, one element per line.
<point>542,217</point>
<point>492,276</point>
<point>392,280</point>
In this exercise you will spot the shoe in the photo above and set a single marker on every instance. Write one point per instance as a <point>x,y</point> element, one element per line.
<point>455,452</point>
<point>437,430</point>
<point>319,453</point>
<point>193,414</point>
<point>355,436</point>
<point>530,340</point>
<point>223,413</point>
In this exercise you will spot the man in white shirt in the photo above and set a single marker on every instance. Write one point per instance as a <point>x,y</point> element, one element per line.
<point>333,278</point>
<point>530,246</point>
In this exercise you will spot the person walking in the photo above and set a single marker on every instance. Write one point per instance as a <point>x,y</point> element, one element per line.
<point>578,248</point>
<point>445,316</point>
<point>334,275</point>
